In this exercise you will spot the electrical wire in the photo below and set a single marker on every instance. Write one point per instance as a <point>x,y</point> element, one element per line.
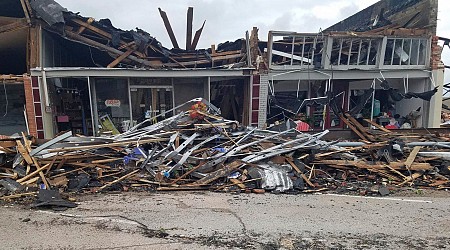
<point>92,58</point>
<point>6,98</point>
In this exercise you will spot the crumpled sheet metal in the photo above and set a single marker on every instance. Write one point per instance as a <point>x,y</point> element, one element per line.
<point>275,177</point>
<point>49,10</point>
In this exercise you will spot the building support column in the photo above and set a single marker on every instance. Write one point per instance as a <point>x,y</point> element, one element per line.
<point>434,116</point>
<point>263,96</point>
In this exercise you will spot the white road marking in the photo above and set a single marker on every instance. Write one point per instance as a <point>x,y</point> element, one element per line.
<point>379,198</point>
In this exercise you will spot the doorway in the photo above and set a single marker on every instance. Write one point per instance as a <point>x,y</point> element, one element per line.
<point>150,101</point>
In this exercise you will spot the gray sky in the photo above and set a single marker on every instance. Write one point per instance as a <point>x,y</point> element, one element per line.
<point>227,20</point>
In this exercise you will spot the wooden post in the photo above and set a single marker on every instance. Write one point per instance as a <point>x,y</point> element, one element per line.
<point>168,28</point>
<point>190,16</point>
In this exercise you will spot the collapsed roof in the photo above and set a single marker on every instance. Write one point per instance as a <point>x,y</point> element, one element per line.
<point>392,14</point>
<point>133,48</point>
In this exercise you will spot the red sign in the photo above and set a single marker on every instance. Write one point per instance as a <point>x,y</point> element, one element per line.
<point>112,103</point>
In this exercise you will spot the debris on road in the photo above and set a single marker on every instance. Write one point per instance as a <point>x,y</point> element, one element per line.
<point>199,150</point>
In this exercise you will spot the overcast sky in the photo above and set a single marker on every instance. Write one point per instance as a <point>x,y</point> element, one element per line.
<point>227,20</point>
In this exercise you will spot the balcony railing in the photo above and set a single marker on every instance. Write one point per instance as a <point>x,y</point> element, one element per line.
<point>289,50</point>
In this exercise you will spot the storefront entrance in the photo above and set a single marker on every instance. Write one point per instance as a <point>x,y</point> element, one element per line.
<point>149,101</point>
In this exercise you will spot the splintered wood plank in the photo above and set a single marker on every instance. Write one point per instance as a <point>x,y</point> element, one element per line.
<point>300,172</point>
<point>22,150</point>
<point>7,144</point>
<point>412,156</point>
<point>213,50</point>
<point>410,178</point>
<point>353,128</point>
<point>377,165</point>
<point>118,180</point>
<point>226,170</point>
<point>169,29</point>
<point>361,128</point>
<point>238,183</point>
<point>119,59</point>
<point>197,35</point>
<point>378,126</point>
<point>189,172</point>
<point>34,173</point>
<point>88,25</point>
<point>190,16</point>
<point>106,145</point>
<point>17,195</point>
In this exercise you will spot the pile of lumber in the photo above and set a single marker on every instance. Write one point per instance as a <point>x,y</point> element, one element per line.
<point>199,150</point>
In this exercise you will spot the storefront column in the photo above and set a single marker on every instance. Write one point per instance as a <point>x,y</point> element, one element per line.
<point>93,93</point>
<point>208,89</point>
<point>91,106</point>
<point>46,112</point>
<point>434,114</point>
<point>263,95</point>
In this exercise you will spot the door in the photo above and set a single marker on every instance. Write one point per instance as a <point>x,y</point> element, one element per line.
<point>149,102</point>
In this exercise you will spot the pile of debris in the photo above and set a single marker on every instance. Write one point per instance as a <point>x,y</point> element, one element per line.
<point>199,150</point>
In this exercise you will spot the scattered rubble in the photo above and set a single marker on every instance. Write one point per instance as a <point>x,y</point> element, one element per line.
<point>199,150</point>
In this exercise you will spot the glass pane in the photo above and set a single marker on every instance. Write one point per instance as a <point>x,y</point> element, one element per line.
<point>422,51</point>
<point>112,104</point>
<point>415,51</point>
<point>147,103</point>
<point>389,52</point>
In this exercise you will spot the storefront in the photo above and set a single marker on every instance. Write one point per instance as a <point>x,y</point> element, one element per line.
<point>102,101</point>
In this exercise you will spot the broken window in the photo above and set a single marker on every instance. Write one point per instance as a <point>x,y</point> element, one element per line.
<point>297,50</point>
<point>405,51</point>
<point>354,51</point>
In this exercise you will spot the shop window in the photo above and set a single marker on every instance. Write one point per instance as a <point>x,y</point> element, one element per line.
<point>12,99</point>
<point>113,110</point>
<point>70,105</point>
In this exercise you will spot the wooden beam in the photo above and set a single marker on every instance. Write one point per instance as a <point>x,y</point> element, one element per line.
<point>118,180</point>
<point>17,25</point>
<point>218,58</point>
<point>101,46</point>
<point>378,126</point>
<point>300,172</point>
<point>361,128</point>
<point>352,128</point>
<point>92,28</point>
<point>119,59</point>
<point>412,156</point>
<point>197,35</point>
<point>168,28</point>
<point>224,171</point>
<point>33,48</point>
<point>34,173</point>
<point>213,50</point>
<point>17,195</point>
<point>83,27</point>
<point>106,145</point>
<point>25,11</point>
<point>190,16</point>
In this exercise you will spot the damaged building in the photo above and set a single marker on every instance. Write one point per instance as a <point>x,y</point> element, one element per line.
<point>381,63</point>
<point>77,73</point>
<point>62,71</point>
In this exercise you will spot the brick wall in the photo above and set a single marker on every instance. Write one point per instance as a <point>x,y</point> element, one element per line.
<point>436,52</point>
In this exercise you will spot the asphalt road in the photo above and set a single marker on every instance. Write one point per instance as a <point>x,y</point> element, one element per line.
<point>208,220</point>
